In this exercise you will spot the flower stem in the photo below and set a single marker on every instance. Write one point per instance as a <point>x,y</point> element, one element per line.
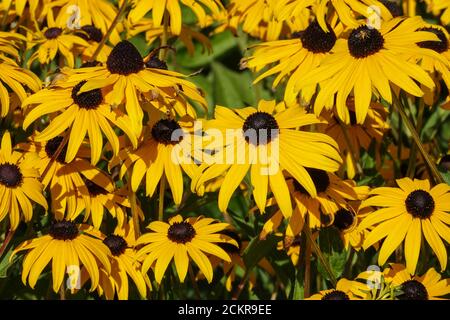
<point>162,188</point>
<point>430,163</point>
<point>307,279</point>
<point>165,36</point>
<point>110,30</point>
<point>413,157</point>
<point>320,255</point>
<point>194,283</point>
<point>134,211</point>
<point>5,243</point>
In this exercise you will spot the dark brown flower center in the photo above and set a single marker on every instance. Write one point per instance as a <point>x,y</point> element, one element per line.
<point>116,244</point>
<point>94,189</point>
<point>413,290</point>
<point>167,131</point>
<point>155,63</point>
<point>320,179</point>
<point>420,204</point>
<point>53,33</point>
<point>336,295</point>
<point>87,100</point>
<point>445,162</point>
<point>63,230</point>
<point>52,146</point>
<point>125,59</point>
<point>393,8</point>
<point>316,40</point>
<point>181,232</point>
<point>229,248</point>
<point>438,46</point>
<point>90,33</point>
<point>10,175</point>
<point>260,128</point>
<point>343,219</point>
<point>364,41</point>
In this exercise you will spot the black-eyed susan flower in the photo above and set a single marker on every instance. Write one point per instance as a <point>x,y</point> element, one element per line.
<point>182,240</point>
<point>83,113</point>
<point>429,286</point>
<point>368,62</point>
<point>12,76</point>
<point>349,10</point>
<point>51,41</point>
<point>126,76</point>
<point>100,199</point>
<point>99,13</point>
<point>93,36</point>
<point>439,8</point>
<point>353,137</point>
<point>124,265</point>
<point>345,290</point>
<point>68,191</point>
<point>290,59</point>
<point>436,68</point>
<point>173,9</point>
<point>406,213</point>
<point>264,142</point>
<point>167,149</point>
<point>66,245</point>
<point>18,184</point>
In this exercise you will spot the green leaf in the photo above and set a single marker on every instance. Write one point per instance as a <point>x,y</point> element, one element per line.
<point>5,264</point>
<point>332,248</point>
<point>221,43</point>
<point>258,249</point>
<point>232,89</point>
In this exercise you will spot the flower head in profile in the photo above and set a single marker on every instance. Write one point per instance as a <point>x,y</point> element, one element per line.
<point>183,240</point>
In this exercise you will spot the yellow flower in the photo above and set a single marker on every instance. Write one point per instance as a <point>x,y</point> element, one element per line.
<point>183,240</point>
<point>172,8</point>
<point>83,113</point>
<point>345,290</point>
<point>66,245</point>
<point>18,183</point>
<point>368,62</point>
<point>126,76</point>
<point>406,213</point>
<point>265,142</point>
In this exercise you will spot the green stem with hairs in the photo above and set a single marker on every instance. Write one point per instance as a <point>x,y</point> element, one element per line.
<point>320,255</point>
<point>164,37</point>
<point>415,136</point>
<point>162,187</point>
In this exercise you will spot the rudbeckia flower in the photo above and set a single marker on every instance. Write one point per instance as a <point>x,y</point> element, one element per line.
<point>83,113</point>
<point>173,9</point>
<point>93,36</point>
<point>51,41</point>
<point>99,13</point>
<point>349,10</point>
<point>182,240</point>
<point>429,286</point>
<point>358,136</point>
<point>265,142</point>
<point>439,8</point>
<point>66,244</point>
<point>12,76</point>
<point>126,75</point>
<point>18,184</point>
<point>368,62</point>
<point>406,213</point>
<point>333,194</point>
<point>345,290</point>
<point>100,199</point>
<point>290,59</point>
<point>124,265</point>
<point>165,150</point>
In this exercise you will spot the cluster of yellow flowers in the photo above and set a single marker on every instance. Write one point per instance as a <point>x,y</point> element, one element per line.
<point>73,72</point>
